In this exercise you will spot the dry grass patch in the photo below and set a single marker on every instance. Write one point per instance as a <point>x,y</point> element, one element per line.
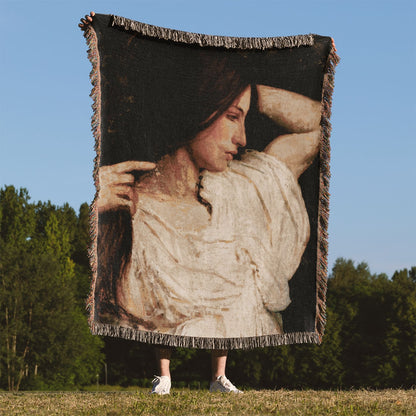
<point>201,402</point>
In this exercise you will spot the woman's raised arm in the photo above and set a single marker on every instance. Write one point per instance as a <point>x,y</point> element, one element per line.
<point>301,116</point>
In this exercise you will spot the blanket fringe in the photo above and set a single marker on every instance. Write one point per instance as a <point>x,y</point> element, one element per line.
<point>323,209</point>
<point>211,40</point>
<point>94,58</point>
<point>201,342</point>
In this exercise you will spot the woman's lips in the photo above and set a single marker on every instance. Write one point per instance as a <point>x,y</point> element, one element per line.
<point>230,155</point>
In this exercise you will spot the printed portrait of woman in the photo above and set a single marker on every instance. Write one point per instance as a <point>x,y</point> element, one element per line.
<point>208,191</point>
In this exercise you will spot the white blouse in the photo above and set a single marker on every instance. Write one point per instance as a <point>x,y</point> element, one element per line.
<point>225,277</point>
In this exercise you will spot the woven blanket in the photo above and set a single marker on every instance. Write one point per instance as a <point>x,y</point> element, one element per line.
<point>209,224</point>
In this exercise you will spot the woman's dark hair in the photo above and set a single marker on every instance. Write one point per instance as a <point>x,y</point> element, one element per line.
<point>190,95</point>
<point>171,95</point>
<point>220,82</point>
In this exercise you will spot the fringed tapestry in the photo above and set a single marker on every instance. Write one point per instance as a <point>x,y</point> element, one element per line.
<point>209,224</point>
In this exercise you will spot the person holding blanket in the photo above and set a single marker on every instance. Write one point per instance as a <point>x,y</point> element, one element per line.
<point>218,230</point>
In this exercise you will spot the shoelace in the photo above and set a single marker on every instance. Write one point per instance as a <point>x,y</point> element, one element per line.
<point>156,379</point>
<point>227,383</point>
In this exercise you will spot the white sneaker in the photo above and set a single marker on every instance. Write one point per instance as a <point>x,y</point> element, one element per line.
<point>223,385</point>
<point>161,385</point>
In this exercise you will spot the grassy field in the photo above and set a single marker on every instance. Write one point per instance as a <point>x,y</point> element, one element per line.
<point>201,402</point>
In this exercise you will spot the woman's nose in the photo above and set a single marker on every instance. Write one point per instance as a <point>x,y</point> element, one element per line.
<point>239,137</point>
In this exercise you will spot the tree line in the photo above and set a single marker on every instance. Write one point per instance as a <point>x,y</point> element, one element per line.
<point>45,342</point>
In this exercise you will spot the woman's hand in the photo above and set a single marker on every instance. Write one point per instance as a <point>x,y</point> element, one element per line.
<point>117,185</point>
<point>86,21</point>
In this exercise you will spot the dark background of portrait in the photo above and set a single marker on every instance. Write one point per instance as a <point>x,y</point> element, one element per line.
<point>146,96</point>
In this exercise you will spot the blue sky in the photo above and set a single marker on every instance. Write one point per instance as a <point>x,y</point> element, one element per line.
<point>46,145</point>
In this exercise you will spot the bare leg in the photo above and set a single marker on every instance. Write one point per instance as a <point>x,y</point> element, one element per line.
<point>218,363</point>
<point>163,360</point>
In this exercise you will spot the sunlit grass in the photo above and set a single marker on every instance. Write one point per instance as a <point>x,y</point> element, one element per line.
<point>201,402</point>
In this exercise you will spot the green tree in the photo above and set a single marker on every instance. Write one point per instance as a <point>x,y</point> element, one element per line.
<point>320,366</point>
<point>46,341</point>
<point>80,245</point>
<point>378,321</point>
<point>17,225</point>
<point>400,340</point>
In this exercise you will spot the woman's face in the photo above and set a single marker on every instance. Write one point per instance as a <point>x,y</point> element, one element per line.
<point>215,146</point>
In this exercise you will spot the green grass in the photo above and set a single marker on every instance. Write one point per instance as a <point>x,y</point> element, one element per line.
<point>201,402</point>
